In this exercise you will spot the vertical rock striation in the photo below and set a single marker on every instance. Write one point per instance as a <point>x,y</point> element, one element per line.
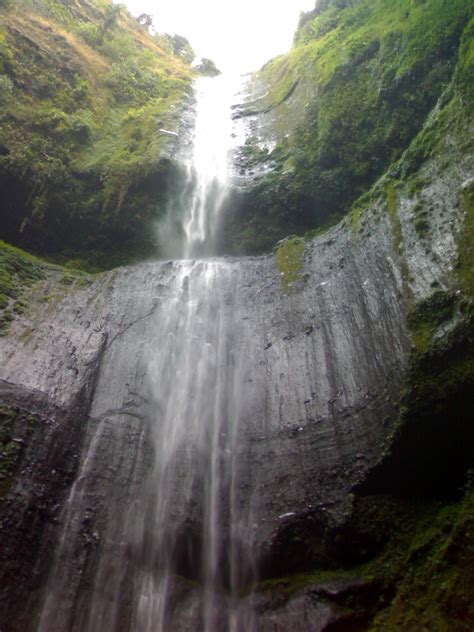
<point>280,403</point>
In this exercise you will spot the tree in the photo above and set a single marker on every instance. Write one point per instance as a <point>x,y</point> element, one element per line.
<point>181,47</point>
<point>145,20</point>
<point>207,68</point>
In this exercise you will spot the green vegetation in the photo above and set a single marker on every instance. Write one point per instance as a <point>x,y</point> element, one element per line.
<point>428,315</point>
<point>207,68</point>
<point>350,97</point>
<point>289,261</point>
<point>251,154</point>
<point>414,570</point>
<point>85,92</point>
<point>425,562</point>
<point>20,273</point>
<point>465,268</point>
<point>436,578</point>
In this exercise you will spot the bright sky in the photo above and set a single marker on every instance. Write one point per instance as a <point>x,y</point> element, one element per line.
<point>240,35</point>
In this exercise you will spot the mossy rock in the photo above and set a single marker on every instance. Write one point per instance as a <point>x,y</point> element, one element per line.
<point>83,166</point>
<point>20,273</point>
<point>352,97</point>
<point>289,261</point>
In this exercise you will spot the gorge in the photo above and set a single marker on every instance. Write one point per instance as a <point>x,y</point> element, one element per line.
<point>262,441</point>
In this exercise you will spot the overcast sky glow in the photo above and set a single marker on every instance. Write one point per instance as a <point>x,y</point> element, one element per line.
<point>240,35</point>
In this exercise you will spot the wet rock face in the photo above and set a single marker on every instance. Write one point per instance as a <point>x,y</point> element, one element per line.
<point>318,608</point>
<point>253,137</point>
<point>301,389</point>
<point>33,487</point>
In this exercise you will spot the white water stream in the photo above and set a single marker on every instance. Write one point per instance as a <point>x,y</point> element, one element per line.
<point>196,381</point>
<point>192,220</point>
<point>183,537</point>
<point>193,418</point>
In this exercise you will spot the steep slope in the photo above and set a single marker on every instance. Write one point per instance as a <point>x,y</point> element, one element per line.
<point>408,535</point>
<point>85,95</point>
<point>349,358</point>
<point>324,121</point>
<point>353,368</point>
<point>356,492</point>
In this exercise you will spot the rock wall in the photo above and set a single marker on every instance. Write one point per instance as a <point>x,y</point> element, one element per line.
<point>315,374</point>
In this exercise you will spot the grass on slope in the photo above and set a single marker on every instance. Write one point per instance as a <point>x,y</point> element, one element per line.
<point>84,91</point>
<point>344,104</point>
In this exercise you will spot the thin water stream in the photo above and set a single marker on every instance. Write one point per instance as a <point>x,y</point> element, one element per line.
<point>191,224</point>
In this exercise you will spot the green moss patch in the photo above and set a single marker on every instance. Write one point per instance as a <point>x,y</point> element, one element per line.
<point>432,557</point>
<point>289,261</point>
<point>20,273</point>
<point>399,564</point>
<point>428,315</point>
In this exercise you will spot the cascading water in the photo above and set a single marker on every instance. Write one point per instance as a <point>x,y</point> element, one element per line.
<point>195,380</point>
<point>192,220</point>
<point>216,417</point>
<point>194,424</point>
<point>177,517</point>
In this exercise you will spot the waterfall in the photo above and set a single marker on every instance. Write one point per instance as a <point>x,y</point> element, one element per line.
<point>194,377</point>
<point>190,226</point>
<point>156,509</point>
<point>157,514</point>
<point>218,415</point>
